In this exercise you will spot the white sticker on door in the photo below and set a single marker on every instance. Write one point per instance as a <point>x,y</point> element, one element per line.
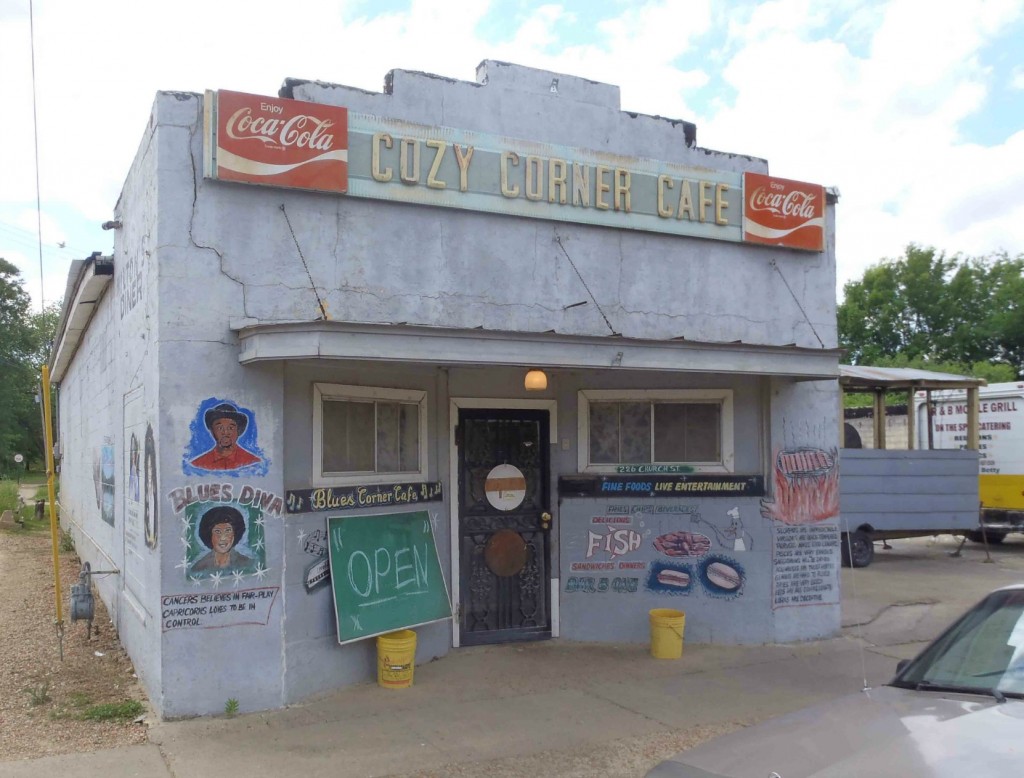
<point>505,487</point>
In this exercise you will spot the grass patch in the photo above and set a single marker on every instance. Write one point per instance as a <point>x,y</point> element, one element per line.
<point>76,701</point>
<point>29,523</point>
<point>112,711</point>
<point>8,496</point>
<point>33,477</point>
<point>39,695</point>
<point>79,699</point>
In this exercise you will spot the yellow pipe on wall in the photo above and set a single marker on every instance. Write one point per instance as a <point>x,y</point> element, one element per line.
<point>51,491</point>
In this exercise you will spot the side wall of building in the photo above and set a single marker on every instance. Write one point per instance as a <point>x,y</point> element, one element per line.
<point>803,509</point>
<point>109,431</point>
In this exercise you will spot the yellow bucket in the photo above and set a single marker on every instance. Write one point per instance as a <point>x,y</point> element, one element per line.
<point>396,659</point>
<point>667,633</point>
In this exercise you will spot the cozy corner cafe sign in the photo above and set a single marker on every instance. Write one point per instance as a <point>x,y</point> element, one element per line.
<point>291,143</point>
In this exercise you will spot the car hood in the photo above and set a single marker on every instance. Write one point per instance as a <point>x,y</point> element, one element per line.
<point>880,732</point>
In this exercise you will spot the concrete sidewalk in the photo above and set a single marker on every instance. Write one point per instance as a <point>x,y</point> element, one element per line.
<point>561,709</point>
<point>554,708</point>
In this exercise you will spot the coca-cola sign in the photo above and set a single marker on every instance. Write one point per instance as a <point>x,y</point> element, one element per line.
<point>780,212</point>
<point>276,142</point>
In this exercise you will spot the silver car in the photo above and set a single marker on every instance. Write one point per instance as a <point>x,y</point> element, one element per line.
<point>957,709</point>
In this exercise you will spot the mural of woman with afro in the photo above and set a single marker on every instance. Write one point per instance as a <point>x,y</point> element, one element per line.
<point>220,530</point>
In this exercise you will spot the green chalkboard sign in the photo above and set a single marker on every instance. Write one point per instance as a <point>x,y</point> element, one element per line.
<point>385,574</point>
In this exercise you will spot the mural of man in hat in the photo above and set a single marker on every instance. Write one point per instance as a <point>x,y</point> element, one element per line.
<point>221,529</point>
<point>227,424</point>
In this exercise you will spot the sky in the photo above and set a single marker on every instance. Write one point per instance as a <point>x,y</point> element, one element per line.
<point>912,109</point>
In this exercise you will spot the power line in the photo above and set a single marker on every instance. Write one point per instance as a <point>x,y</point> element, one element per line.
<point>23,237</point>
<point>35,138</point>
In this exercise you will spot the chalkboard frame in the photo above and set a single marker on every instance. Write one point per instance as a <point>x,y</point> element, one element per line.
<point>434,564</point>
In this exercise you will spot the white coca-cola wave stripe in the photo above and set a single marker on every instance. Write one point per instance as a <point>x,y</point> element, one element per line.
<point>237,164</point>
<point>768,233</point>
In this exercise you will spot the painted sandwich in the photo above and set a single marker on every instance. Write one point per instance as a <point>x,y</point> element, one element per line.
<point>677,579</point>
<point>724,576</point>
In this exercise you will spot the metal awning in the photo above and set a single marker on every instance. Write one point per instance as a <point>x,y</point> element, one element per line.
<point>446,346</point>
<point>879,380</point>
<point>859,378</point>
<point>87,281</point>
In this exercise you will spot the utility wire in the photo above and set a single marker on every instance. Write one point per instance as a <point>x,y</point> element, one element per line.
<point>35,138</point>
<point>558,240</point>
<point>319,302</point>
<point>773,263</point>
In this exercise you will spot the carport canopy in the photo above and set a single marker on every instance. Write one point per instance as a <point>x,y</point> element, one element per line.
<point>880,380</point>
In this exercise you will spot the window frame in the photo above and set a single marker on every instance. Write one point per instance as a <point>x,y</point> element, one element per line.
<point>347,392</point>
<point>721,397</point>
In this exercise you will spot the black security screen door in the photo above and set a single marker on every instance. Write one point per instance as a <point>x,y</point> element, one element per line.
<point>504,526</point>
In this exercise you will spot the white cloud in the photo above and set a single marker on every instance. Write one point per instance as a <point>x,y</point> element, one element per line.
<point>869,97</point>
<point>881,121</point>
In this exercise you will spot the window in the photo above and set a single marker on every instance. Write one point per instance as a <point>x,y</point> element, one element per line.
<point>648,427</point>
<point>368,435</point>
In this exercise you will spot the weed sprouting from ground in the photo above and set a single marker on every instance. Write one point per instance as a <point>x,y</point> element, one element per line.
<point>39,695</point>
<point>112,711</point>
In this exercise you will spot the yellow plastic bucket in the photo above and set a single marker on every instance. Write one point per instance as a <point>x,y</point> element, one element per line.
<point>396,659</point>
<point>667,633</point>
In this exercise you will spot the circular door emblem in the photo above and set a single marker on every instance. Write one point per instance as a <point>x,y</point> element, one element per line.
<point>505,487</point>
<point>505,553</point>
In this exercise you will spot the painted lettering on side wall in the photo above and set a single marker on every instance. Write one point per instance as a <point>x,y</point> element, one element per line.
<point>804,565</point>
<point>244,494</point>
<point>213,610</point>
<point>588,584</point>
<point>661,486</point>
<point>129,277</point>
<point>333,498</point>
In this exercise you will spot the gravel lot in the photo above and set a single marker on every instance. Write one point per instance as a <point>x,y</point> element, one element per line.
<point>42,697</point>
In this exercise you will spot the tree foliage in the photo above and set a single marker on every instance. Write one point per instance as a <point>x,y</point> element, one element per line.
<point>24,347</point>
<point>927,310</point>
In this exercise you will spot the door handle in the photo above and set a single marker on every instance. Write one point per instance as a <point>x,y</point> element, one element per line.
<point>545,520</point>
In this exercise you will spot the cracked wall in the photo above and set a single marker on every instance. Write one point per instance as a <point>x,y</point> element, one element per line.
<point>384,262</point>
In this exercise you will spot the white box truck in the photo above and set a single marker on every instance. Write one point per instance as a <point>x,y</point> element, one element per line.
<point>1001,446</point>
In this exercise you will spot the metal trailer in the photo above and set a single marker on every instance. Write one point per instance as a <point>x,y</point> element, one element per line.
<point>898,488</point>
<point>942,424</point>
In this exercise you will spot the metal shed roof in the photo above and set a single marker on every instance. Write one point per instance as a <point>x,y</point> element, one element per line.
<point>863,378</point>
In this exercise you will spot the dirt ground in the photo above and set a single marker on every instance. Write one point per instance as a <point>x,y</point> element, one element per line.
<point>42,698</point>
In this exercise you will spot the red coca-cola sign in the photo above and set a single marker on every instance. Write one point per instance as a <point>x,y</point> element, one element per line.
<point>277,142</point>
<point>780,212</point>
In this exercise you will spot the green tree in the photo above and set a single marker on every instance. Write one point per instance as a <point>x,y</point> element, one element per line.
<point>24,347</point>
<point>928,310</point>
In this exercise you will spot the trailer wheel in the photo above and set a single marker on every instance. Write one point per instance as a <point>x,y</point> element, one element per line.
<point>857,549</point>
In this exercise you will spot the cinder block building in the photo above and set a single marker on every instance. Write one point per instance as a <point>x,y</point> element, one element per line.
<point>597,359</point>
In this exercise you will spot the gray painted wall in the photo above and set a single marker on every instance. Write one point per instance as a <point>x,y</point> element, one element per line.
<point>110,393</point>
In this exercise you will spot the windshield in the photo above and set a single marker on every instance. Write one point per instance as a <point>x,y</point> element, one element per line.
<point>983,651</point>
